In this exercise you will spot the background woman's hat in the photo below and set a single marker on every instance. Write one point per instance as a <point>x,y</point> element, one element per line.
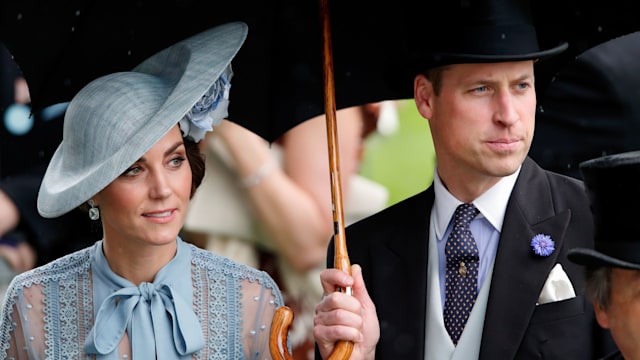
<point>117,118</point>
<point>612,185</point>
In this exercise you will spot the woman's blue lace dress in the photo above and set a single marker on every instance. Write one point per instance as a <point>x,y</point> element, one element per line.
<point>200,306</point>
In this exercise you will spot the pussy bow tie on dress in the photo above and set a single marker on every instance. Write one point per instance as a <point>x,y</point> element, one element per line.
<point>139,308</point>
<point>158,317</point>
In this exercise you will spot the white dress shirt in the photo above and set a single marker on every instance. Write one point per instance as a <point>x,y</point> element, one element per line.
<point>485,227</point>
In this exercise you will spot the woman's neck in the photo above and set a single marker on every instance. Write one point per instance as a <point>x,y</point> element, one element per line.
<point>135,263</point>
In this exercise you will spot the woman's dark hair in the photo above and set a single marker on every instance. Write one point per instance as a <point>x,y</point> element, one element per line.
<point>196,161</point>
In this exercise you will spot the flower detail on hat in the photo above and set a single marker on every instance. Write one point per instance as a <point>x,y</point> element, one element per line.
<point>542,245</point>
<point>209,110</point>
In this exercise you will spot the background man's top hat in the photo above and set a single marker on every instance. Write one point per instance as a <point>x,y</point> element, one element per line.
<point>613,186</point>
<point>591,108</point>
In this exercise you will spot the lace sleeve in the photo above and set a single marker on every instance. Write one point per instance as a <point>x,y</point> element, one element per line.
<point>22,324</point>
<point>259,305</point>
<point>235,304</point>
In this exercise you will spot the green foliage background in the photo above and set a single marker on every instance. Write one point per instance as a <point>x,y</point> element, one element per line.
<point>403,161</point>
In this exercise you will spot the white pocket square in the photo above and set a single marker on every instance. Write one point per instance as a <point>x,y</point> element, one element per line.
<point>557,287</point>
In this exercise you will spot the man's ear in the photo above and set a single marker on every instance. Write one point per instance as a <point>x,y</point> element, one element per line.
<point>423,95</point>
<point>601,315</point>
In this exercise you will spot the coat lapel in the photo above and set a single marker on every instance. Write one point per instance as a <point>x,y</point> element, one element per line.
<point>401,276</point>
<point>519,274</point>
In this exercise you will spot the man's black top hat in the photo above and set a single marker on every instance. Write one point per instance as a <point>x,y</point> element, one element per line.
<point>478,31</point>
<point>612,185</point>
<point>467,31</point>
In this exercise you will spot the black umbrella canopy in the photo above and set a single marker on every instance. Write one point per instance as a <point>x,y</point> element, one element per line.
<point>583,24</point>
<point>61,45</point>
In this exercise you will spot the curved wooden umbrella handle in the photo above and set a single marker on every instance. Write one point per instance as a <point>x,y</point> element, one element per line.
<point>282,320</point>
<point>280,325</point>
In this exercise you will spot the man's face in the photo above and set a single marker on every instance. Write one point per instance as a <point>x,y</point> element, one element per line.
<point>482,121</point>
<point>622,316</point>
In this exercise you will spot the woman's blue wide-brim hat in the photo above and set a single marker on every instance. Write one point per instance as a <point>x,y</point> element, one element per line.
<point>117,118</point>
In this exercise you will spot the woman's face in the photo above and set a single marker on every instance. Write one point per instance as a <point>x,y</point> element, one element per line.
<point>148,202</point>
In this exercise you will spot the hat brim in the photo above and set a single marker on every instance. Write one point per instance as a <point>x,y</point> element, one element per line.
<point>442,59</point>
<point>594,258</point>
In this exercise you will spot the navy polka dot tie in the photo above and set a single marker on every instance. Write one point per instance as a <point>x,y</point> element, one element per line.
<point>461,278</point>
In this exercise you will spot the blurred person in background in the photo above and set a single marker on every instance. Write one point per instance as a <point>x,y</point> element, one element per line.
<point>27,142</point>
<point>272,206</point>
<point>613,265</point>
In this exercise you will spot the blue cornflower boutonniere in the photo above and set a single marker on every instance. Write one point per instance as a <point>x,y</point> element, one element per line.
<point>542,245</point>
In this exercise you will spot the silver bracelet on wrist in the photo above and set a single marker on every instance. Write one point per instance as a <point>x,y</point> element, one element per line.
<point>257,177</point>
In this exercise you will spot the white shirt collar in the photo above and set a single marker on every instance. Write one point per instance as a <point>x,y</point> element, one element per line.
<point>492,204</point>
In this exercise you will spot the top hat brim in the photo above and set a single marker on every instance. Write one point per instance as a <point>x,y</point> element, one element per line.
<point>429,61</point>
<point>593,258</point>
<point>441,59</point>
